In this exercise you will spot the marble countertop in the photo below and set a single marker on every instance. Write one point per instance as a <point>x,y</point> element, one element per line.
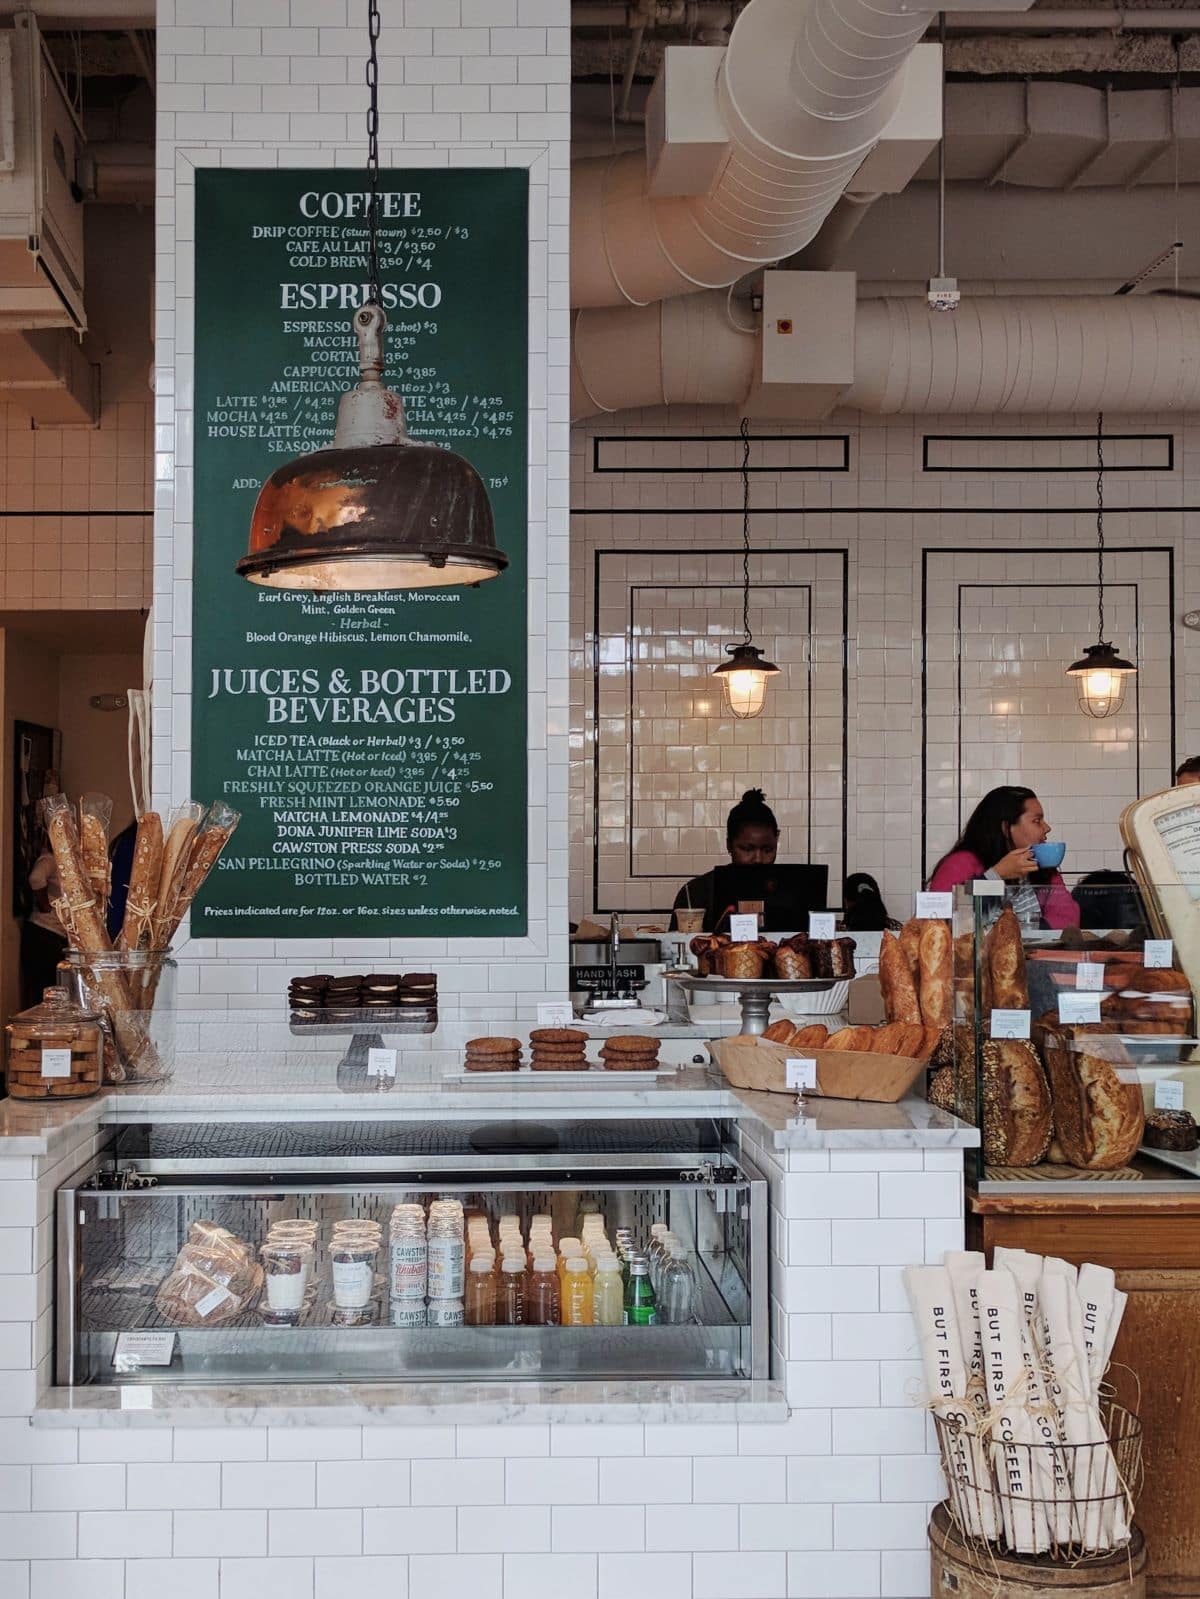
<point>233,1095</point>
<point>409,1404</point>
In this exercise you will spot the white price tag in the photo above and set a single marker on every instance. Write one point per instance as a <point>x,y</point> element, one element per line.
<point>56,1063</point>
<point>215,1298</point>
<point>143,1347</point>
<point>801,1075</point>
<point>743,929</point>
<point>1089,975</point>
<point>987,888</point>
<point>1079,1008</point>
<point>555,1013</point>
<point>1168,1095</point>
<point>935,907</point>
<point>822,924</point>
<point>137,1398</point>
<point>1010,1024</point>
<point>381,1063</point>
<point>1158,954</point>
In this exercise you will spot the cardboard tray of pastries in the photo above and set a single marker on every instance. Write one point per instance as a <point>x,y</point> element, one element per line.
<point>753,1062</point>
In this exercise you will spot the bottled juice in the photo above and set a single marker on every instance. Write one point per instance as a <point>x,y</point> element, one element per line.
<point>577,1296</point>
<point>566,1248</point>
<point>608,1293</point>
<point>479,1301</point>
<point>510,1299</point>
<point>543,1297</point>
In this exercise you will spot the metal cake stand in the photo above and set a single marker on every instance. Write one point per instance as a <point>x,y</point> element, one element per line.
<point>756,993</point>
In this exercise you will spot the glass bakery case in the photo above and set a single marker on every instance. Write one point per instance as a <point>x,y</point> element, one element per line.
<point>1075,1047</point>
<point>383,1251</point>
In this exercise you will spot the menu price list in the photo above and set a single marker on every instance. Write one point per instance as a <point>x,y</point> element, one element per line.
<point>375,743</point>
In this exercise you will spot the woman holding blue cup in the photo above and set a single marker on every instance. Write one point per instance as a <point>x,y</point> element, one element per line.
<point>1006,839</point>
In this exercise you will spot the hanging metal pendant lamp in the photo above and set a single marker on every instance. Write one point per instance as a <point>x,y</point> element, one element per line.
<point>1101,675</point>
<point>380,509</point>
<point>744,676</point>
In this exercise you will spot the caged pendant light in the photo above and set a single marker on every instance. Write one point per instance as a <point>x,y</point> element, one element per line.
<point>380,509</point>
<point>744,676</point>
<point>1101,675</point>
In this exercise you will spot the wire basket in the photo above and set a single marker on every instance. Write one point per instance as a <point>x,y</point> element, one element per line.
<point>1067,1502</point>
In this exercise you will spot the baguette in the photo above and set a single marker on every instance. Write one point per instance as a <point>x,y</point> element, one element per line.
<point>143,883</point>
<point>937,975</point>
<point>910,943</point>
<point>1005,958</point>
<point>900,1002</point>
<point>174,865</point>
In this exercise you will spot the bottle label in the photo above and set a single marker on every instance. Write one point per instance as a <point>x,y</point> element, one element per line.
<point>445,1313</point>
<point>352,1282</point>
<point>446,1268</point>
<point>408,1314</point>
<point>409,1258</point>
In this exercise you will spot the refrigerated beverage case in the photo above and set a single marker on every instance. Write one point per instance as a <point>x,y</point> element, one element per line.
<point>641,1309</point>
<point>608,1293</point>
<point>543,1299</point>
<point>577,1294</point>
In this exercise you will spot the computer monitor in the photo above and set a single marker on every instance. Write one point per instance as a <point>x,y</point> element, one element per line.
<point>787,894</point>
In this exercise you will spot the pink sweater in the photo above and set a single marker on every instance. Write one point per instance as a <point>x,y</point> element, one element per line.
<point>961,866</point>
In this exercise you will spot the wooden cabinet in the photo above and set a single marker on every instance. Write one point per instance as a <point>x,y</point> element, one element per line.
<point>1153,1245</point>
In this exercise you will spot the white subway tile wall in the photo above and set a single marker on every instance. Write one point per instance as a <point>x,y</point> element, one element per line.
<point>969,593</point>
<point>279,82</point>
<point>831,1502</point>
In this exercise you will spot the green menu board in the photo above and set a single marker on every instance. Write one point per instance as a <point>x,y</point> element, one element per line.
<point>374,743</point>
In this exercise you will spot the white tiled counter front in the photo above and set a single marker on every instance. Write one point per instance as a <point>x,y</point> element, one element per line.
<point>815,1485</point>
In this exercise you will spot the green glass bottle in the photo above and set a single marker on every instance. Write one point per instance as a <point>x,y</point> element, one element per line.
<point>640,1307</point>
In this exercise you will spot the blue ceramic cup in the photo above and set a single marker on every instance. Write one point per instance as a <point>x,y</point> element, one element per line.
<point>1049,854</point>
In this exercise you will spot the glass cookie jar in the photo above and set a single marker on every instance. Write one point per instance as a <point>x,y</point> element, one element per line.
<point>55,1050</point>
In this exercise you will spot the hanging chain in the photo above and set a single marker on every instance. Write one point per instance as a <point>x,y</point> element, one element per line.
<point>1100,516</point>
<point>746,530</point>
<point>375,288</point>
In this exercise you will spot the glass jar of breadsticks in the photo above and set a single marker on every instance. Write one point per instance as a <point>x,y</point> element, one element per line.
<point>129,979</point>
<point>54,1050</point>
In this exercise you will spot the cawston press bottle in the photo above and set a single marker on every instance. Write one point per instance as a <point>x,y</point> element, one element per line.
<point>640,1307</point>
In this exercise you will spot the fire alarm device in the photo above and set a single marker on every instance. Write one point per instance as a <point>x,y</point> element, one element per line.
<point>942,294</point>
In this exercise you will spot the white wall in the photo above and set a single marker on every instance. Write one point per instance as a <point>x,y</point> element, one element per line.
<point>967,593</point>
<point>463,83</point>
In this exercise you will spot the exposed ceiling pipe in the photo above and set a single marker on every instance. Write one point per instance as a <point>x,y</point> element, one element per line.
<point>839,227</point>
<point>117,15</point>
<point>805,93</point>
<point>1094,21</point>
<point>1003,356</point>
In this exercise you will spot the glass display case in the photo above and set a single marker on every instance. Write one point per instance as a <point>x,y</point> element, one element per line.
<point>316,1252</point>
<point>1075,1047</point>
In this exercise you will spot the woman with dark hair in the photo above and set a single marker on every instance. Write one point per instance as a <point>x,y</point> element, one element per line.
<point>863,910</point>
<point>752,839</point>
<point>997,843</point>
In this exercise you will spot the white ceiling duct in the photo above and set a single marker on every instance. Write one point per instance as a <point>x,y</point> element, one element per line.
<point>1000,355</point>
<point>803,93</point>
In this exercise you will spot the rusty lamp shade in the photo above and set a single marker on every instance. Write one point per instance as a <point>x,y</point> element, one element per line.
<point>379,510</point>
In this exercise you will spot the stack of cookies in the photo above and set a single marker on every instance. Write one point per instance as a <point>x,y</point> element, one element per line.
<point>413,994</point>
<point>493,1055</point>
<point>558,1049</point>
<point>628,1052</point>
